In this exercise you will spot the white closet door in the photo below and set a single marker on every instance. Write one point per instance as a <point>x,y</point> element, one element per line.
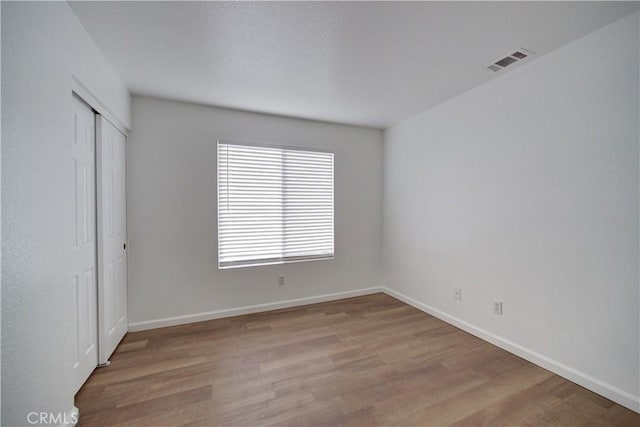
<point>84,279</point>
<point>112,232</point>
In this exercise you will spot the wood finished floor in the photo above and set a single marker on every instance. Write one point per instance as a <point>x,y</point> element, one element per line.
<point>367,361</point>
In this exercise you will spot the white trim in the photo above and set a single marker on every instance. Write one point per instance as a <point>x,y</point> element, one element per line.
<point>218,314</point>
<point>276,146</point>
<point>609,391</point>
<point>87,96</point>
<point>70,416</point>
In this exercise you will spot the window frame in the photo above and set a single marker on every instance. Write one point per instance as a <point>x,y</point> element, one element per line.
<point>281,260</point>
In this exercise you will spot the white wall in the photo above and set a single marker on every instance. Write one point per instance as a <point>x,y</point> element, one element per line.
<point>172,216</point>
<point>525,190</point>
<point>43,45</point>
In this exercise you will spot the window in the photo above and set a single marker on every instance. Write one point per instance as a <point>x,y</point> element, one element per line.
<point>275,204</point>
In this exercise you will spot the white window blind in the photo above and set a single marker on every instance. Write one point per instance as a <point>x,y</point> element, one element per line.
<point>275,204</point>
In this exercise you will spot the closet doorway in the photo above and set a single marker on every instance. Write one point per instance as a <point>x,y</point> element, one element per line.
<point>99,266</point>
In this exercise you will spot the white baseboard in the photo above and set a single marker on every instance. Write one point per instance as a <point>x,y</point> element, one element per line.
<point>609,391</point>
<point>218,314</point>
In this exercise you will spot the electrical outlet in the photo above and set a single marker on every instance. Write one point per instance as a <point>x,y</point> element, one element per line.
<point>457,293</point>
<point>281,280</point>
<point>497,307</point>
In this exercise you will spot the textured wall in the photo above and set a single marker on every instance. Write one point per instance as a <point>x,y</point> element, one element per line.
<point>172,213</point>
<point>43,45</point>
<point>525,190</point>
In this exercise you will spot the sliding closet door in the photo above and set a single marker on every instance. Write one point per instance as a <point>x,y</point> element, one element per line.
<point>83,274</point>
<point>112,232</point>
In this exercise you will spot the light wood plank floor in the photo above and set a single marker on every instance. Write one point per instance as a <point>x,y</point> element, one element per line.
<point>366,361</point>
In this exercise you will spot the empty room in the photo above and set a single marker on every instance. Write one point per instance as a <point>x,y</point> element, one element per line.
<point>349,213</point>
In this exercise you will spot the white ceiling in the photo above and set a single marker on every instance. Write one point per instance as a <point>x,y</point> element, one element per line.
<point>363,63</point>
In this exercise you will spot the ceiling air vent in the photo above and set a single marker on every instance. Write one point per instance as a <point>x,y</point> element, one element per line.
<point>507,60</point>
<point>516,56</point>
